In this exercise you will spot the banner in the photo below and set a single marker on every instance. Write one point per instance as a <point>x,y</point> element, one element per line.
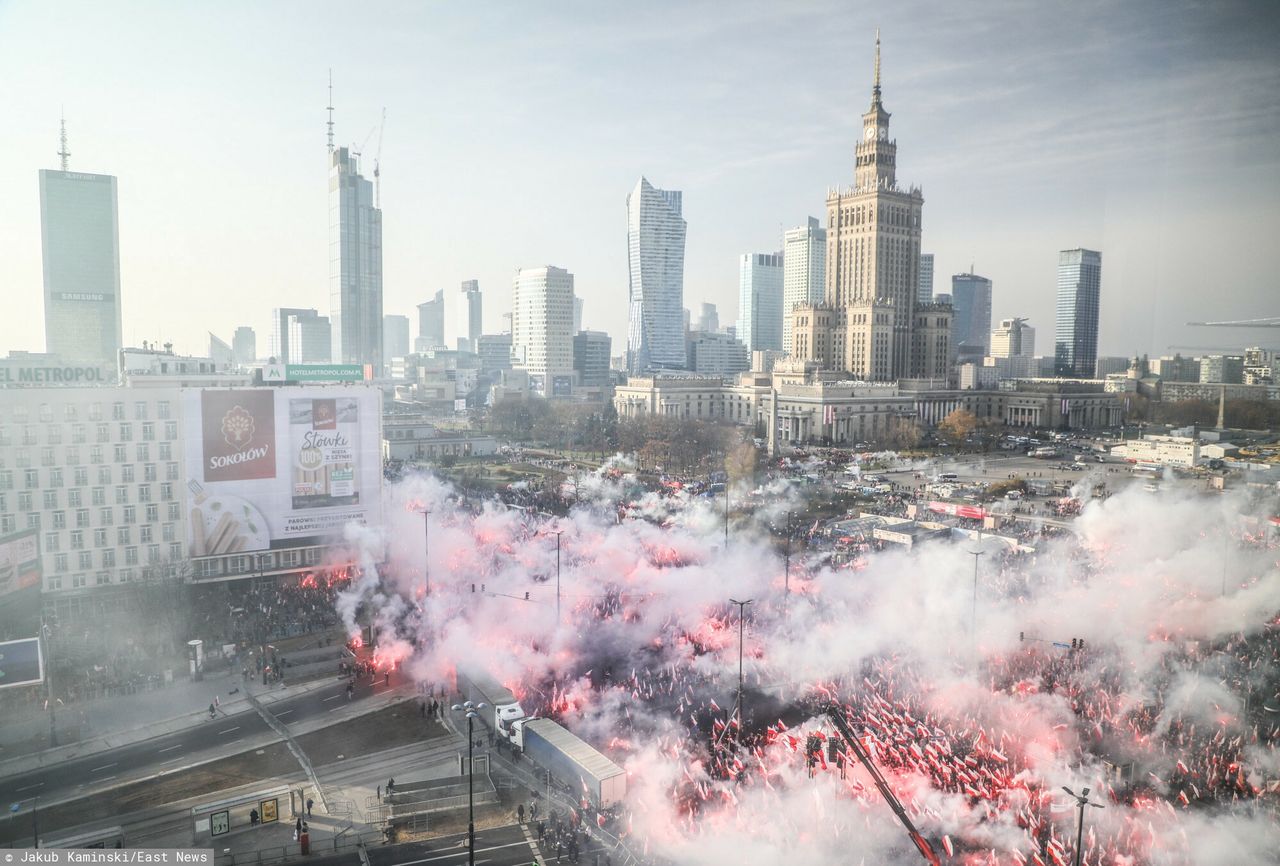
<point>19,561</point>
<point>279,467</point>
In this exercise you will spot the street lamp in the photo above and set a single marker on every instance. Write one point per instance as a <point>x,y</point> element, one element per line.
<point>426,544</point>
<point>46,632</point>
<point>786,576</point>
<point>470,710</point>
<point>742,612</point>
<point>973,614</point>
<point>1082,800</point>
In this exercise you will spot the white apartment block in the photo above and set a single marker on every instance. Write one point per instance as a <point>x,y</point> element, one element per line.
<point>542,324</point>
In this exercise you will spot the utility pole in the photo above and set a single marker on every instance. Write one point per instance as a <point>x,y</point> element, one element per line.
<point>786,575</point>
<point>726,510</point>
<point>46,634</point>
<point>1082,800</point>
<point>973,613</point>
<point>742,614</point>
<point>558,533</point>
<point>426,563</point>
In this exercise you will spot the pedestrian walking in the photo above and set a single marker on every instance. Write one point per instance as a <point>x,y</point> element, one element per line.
<point>520,813</point>
<point>379,794</point>
<point>297,829</point>
<point>310,803</point>
<point>386,678</point>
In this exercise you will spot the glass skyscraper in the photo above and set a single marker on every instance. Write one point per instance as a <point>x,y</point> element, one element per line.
<point>80,238</point>
<point>924,289</point>
<point>1079,293</point>
<point>804,279</point>
<point>971,327</point>
<point>355,264</point>
<point>655,254</point>
<point>760,277</point>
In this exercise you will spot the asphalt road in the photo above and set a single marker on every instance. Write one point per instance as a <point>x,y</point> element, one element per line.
<point>500,846</point>
<point>216,737</point>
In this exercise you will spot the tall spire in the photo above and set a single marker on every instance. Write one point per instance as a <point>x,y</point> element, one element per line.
<point>330,124</point>
<point>64,154</point>
<point>875,87</point>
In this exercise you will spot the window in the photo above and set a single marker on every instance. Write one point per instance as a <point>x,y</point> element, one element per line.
<point>77,539</point>
<point>102,577</point>
<point>85,558</point>
<point>126,432</point>
<point>60,563</point>
<point>95,411</point>
<point>78,581</point>
<point>22,459</point>
<point>119,453</point>
<point>130,514</point>
<point>144,452</point>
<point>108,558</point>
<point>54,583</point>
<point>6,479</point>
<point>153,553</point>
<point>55,477</point>
<point>173,510</point>
<point>4,436</point>
<point>46,456</point>
<point>117,411</point>
<point>50,499</point>
<point>32,478</point>
<point>99,538</point>
<point>144,492</point>
<point>24,500</point>
<point>140,411</point>
<point>162,409</point>
<point>69,412</point>
<point>289,558</point>
<point>126,473</point>
<point>59,520</point>
<point>167,532</point>
<point>73,498</point>
<point>82,518</point>
<point>77,433</point>
<point>53,435</point>
<point>7,523</point>
<point>104,517</point>
<point>171,471</point>
<point>51,541</point>
<point>123,535</point>
<point>46,412</point>
<point>104,474</point>
<point>175,551</point>
<point>149,472</point>
<point>171,430</point>
<point>104,433</point>
<point>33,520</point>
<point>122,494</point>
<point>166,491</point>
<point>166,451</point>
<point>153,513</point>
<point>81,474</point>
<point>28,435</point>
<point>148,432</point>
<point>131,556</point>
<point>98,496</point>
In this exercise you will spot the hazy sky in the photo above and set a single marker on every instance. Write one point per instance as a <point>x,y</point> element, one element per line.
<point>1147,130</point>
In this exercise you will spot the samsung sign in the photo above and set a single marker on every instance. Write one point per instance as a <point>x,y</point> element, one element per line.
<point>14,375</point>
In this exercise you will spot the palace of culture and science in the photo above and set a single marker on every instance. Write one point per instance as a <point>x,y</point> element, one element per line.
<point>870,324</point>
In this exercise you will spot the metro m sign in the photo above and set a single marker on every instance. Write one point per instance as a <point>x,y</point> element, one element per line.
<point>21,663</point>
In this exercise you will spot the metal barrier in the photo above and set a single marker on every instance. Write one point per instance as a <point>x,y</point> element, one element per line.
<point>293,851</point>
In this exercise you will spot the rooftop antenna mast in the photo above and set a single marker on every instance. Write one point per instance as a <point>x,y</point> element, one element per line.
<point>330,124</point>
<point>64,154</point>
<point>377,161</point>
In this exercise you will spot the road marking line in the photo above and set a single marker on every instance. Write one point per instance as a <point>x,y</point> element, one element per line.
<point>172,760</point>
<point>333,697</point>
<point>107,767</point>
<point>228,730</point>
<point>104,779</point>
<point>285,713</point>
<point>30,787</point>
<point>170,749</point>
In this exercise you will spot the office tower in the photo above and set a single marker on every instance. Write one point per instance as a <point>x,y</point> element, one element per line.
<point>943,298</point>
<point>924,289</point>
<point>804,263</point>
<point>220,352</point>
<point>716,354</point>
<point>494,351</point>
<point>310,339</point>
<point>760,300</point>
<point>472,314</point>
<point>1224,369</point>
<point>506,323</point>
<point>688,319</point>
<point>577,314</point>
<point>655,256</point>
<point>867,323</point>
<point>708,318</point>
<point>280,330</point>
<point>244,344</point>
<point>431,324</point>
<point>80,241</point>
<point>395,337</point>
<point>1079,293</point>
<point>1109,364</point>
<point>355,264</point>
<point>1014,338</point>
<point>542,326</point>
<point>971,328</point>
<point>591,357</point>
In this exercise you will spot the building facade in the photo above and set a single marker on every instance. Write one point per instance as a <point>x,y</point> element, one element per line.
<point>804,280</point>
<point>355,264</point>
<point>244,344</point>
<point>1079,299</point>
<point>494,351</point>
<point>655,256</point>
<point>395,337</point>
<point>310,339</point>
<point>714,354</point>
<point>1013,338</point>
<point>80,245</point>
<point>280,330</point>
<point>708,319</point>
<point>760,292</point>
<point>542,327</point>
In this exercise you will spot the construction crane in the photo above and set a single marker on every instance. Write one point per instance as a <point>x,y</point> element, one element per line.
<point>836,713</point>
<point>377,160</point>
<point>1266,322</point>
